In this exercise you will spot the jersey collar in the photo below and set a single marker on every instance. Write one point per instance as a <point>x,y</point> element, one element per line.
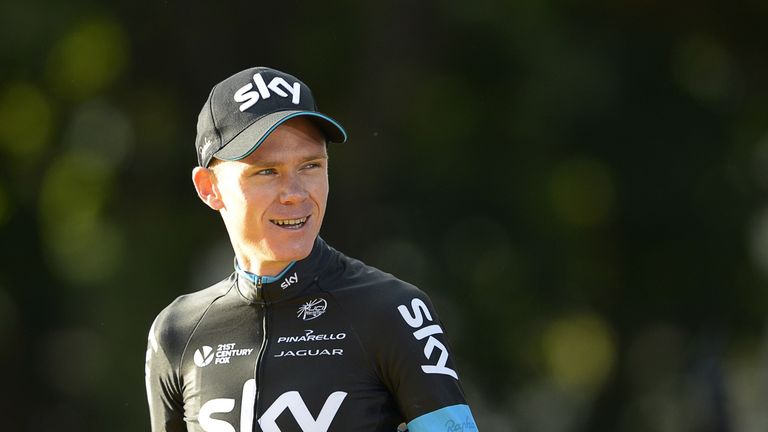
<point>294,279</point>
<point>260,280</point>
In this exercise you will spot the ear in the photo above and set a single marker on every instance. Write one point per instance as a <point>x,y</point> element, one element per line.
<point>205,185</point>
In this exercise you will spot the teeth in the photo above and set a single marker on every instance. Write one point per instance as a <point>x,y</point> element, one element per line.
<point>290,221</point>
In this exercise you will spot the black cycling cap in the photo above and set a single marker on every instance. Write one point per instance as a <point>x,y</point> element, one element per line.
<point>244,109</point>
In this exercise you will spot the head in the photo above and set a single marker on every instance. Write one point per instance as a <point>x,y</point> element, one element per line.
<point>273,201</point>
<point>264,166</point>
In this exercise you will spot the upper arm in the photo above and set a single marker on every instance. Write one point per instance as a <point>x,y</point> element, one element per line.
<point>414,359</point>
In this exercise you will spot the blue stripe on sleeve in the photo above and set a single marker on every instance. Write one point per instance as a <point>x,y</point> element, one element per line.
<point>454,418</point>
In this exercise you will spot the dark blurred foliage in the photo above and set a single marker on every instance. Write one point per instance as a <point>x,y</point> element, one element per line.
<point>580,186</point>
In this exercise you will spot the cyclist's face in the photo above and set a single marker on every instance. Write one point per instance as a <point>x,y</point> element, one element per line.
<point>274,200</point>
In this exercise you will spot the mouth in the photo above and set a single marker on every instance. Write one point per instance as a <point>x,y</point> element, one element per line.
<point>291,224</point>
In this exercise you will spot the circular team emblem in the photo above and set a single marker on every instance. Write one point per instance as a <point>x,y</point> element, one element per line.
<point>312,309</point>
<point>203,356</point>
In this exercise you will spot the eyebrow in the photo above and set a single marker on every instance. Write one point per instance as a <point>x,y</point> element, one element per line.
<point>268,163</point>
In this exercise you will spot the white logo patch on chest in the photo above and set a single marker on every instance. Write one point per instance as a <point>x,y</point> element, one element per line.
<point>312,309</point>
<point>203,356</point>
<point>223,354</point>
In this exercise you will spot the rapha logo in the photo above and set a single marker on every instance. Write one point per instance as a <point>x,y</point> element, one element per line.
<point>312,309</point>
<point>290,280</point>
<point>203,356</point>
<point>466,425</point>
<point>279,86</point>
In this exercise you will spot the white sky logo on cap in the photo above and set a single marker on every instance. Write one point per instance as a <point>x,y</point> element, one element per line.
<point>203,356</point>
<point>249,97</point>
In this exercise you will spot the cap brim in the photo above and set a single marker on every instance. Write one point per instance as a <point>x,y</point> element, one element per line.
<point>251,137</point>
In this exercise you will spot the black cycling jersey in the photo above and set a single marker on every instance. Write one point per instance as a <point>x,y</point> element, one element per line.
<point>329,345</point>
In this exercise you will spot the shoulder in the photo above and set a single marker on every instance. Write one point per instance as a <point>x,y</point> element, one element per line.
<point>397,326</point>
<point>372,298</point>
<point>359,282</point>
<point>174,325</point>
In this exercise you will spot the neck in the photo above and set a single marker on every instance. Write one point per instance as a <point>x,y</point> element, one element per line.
<point>261,278</point>
<point>261,268</point>
<point>247,258</point>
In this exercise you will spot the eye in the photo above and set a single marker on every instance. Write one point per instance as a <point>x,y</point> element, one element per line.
<point>267,171</point>
<point>311,165</point>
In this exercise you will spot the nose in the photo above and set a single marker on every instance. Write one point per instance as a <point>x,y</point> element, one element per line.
<point>292,190</point>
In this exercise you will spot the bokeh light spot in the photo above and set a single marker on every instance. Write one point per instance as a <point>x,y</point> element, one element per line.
<point>759,162</point>
<point>655,356</point>
<point>102,131</point>
<point>88,59</point>
<point>758,240</point>
<point>472,239</point>
<point>75,361</point>
<point>402,258</point>
<point>745,377</point>
<point>26,120</point>
<point>703,67</point>
<point>479,252</point>
<point>579,350</point>
<point>5,206</point>
<point>582,192</point>
<point>157,119</point>
<point>74,187</point>
<point>84,247</point>
<point>8,315</point>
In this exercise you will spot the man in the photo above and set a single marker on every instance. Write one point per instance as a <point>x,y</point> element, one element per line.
<point>299,337</point>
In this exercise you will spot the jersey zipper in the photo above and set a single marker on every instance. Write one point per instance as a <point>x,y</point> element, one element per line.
<point>260,358</point>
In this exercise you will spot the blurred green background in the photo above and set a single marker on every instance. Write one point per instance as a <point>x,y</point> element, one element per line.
<point>579,185</point>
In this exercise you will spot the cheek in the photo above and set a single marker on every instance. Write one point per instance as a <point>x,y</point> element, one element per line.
<point>320,193</point>
<point>241,202</point>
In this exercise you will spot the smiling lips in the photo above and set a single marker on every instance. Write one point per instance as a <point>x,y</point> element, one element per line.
<point>290,223</point>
